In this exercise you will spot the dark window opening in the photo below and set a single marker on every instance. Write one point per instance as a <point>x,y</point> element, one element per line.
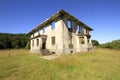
<point>37,42</point>
<point>43,43</point>
<point>81,40</point>
<point>87,31</point>
<point>70,42</point>
<point>80,29</point>
<point>53,52</point>
<point>70,39</point>
<point>88,41</point>
<point>70,46</point>
<point>32,42</point>
<point>53,40</point>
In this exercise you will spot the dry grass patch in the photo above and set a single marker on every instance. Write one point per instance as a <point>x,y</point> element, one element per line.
<point>102,64</point>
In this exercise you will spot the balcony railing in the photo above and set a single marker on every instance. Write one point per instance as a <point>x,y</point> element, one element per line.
<point>84,34</point>
<point>80,34</point>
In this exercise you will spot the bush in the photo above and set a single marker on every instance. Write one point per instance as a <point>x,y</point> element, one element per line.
<point>112,45</point>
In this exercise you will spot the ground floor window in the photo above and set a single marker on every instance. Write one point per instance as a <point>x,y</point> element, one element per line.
<point>32,42</point>
<point>53,40</point>
<point>70,42</point>
<point>37,42</point>
<point>81,40</point>
<point>70,39</point>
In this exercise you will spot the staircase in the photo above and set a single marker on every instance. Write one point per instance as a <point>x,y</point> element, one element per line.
<point>45,52</point>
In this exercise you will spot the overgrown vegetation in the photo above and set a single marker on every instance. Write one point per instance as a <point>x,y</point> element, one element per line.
<point>102,64</point>
<point>111,45</point>
<point>13,41</point>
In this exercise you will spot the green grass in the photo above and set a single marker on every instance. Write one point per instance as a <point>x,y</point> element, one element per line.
<point>102,64</point>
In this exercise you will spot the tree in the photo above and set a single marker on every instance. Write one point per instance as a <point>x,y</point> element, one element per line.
<point>13,41</point>
<point>95,43</point>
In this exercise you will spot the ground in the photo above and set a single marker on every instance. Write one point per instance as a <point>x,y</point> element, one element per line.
<point>50,57</point>
<point>101,64</point>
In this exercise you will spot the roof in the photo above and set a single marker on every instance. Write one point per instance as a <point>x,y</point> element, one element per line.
<point>58,14</point>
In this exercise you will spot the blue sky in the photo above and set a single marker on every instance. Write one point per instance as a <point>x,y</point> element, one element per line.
<point>21,16</point>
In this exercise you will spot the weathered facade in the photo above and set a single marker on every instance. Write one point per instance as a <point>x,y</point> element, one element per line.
<point>61,33</point>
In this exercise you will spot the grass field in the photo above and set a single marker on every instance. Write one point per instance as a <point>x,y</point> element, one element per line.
<point>102,64</point>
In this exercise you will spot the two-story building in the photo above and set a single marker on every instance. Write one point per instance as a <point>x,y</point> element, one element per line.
<point>61,33</point>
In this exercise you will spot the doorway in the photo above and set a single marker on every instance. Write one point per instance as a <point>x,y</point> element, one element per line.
<point>43,43</point>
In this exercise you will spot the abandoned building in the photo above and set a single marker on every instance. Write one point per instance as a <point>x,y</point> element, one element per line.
<point>61,33</point>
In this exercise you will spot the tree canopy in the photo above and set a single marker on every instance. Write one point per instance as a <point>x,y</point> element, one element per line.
<point>95,43</point>
<point>13,41</point>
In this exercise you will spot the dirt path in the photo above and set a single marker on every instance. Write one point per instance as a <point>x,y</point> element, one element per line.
<point>50,57</point>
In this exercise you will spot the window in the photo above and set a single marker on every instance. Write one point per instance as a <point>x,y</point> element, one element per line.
<point>38,32</point>
<point>80,29</point>
<point>87,31</point>
<point>43,29</point>
<point>70,39</point>
<point>37,42</point>
<point>33,35</point>
<point>53,40</point>
<point>70,42</point>
<point>53,25</point>
<point>32,42</point>
<point>69,24</point>
<point>81,40</point>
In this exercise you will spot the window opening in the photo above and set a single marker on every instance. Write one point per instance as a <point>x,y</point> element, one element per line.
<point>53,25</point>
<point>81,40</point>
<point>32,42</point>
<point>53,40</point>
<point>43,29</point>
<point>37,42</point>
<point>69,24</point>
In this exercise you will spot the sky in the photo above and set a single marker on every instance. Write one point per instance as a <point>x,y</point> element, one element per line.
<point>21,16</point>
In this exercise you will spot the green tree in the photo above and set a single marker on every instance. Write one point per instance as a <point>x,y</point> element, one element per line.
<point>95,43</point>
<point>13,41</point>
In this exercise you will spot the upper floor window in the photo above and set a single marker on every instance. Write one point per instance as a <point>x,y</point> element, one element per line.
<point>43,29</point>
<point>69,24</point>
<point>87,31</point>
<point>38,32</point>
<point>33,34</point>
<point>81,40</point>
<point>53,25</point>
<point>80,29</point>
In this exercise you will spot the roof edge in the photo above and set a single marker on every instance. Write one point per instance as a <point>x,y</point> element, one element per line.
<point>57,14</point>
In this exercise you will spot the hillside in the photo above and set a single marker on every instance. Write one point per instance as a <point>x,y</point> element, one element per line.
<point>102,64</point>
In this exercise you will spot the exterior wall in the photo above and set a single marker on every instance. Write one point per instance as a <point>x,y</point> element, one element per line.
<point>61,34</point>
<point>35,48</point>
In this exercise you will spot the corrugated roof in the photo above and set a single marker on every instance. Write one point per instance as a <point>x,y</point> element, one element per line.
<point>58,14</point>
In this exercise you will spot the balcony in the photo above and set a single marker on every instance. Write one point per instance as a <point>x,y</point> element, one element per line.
<point>88,35</point>
<point>84,34</point>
